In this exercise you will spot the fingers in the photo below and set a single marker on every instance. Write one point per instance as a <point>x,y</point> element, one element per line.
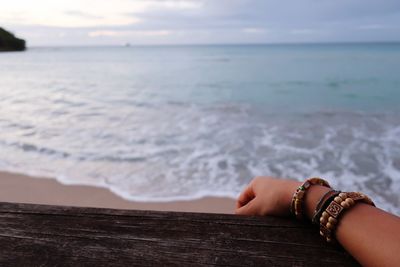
<point>245,197</point>
<point>249,209</point>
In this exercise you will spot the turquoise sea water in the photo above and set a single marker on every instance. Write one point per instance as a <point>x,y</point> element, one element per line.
<point>182,122</point>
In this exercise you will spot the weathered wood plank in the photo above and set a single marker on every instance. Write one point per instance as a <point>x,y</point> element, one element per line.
<point>37,235</point>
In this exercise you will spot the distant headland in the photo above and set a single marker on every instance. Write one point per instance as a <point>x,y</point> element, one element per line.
<point>8,42</point>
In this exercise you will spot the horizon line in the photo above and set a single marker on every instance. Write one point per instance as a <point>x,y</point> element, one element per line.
<point>127,44</point>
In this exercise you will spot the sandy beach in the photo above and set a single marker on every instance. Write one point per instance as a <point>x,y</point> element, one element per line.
<point>40,190</point>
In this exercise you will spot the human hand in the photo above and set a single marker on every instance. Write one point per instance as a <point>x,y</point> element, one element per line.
<point>267,196</point>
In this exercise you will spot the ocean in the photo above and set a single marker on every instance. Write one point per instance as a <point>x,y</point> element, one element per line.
<point>161,123</point>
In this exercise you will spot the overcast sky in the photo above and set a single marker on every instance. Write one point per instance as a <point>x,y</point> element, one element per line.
<point>116,22</point>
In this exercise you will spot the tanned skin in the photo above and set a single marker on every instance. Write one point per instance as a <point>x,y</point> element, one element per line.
<point>369,234</point>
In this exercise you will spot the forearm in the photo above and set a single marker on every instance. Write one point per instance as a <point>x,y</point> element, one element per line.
<point>369,234</point>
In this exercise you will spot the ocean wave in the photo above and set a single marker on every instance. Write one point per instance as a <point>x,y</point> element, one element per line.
<point>27,147</point>
<point>185,151</point>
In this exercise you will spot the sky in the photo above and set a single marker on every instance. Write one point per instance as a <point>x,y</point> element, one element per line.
<point>154,22</point>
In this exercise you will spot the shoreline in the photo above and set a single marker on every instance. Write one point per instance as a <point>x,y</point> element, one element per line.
<point>22,188</point>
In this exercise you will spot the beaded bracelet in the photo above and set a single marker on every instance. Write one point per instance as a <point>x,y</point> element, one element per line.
<point>323,204</point>
<point>330,217</point>
<point>296,207</point>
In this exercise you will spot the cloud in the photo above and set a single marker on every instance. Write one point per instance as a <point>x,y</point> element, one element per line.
<point>85,13</point>
<point>204,21</point>
<point>70,13</point>
<point>107,33</point>
<point>254,30</point>
<point>77,13</point>
<point>177,4</point>
<point>303,31</point>
<point>372,27</point>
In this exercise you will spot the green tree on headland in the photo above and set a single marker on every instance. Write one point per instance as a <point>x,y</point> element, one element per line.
<point>8,42</point>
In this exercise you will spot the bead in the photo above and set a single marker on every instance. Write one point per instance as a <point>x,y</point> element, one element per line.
<point>343,195</point>
<point>338,199</point>
<point>328,239</point>
<point>325,215</point>
<point>321,233</point>
<point>330,226</point>
<point>349,201</point>
<point>332,220</point>
<point>298,196</point>
<point>323,220</point>
<point>345,205</point>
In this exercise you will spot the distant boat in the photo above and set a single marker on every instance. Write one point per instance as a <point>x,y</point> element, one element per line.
<point>8,42</point>
<point>127,45</point>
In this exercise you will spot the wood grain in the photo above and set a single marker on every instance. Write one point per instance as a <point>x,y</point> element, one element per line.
<point>39,235</point>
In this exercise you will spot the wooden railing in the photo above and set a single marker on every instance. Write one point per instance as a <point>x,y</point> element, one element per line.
<point>38,235</point>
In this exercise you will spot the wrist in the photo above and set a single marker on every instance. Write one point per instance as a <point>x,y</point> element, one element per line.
<point>291,188</point>
<point>314,193</point>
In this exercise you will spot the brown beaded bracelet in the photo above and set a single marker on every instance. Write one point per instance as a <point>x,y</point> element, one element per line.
<point>296,207</point>
<point>331,216</point>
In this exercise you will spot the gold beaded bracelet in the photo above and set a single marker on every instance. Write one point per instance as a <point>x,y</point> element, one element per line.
<point>296,207</point>
<point>331,216</point>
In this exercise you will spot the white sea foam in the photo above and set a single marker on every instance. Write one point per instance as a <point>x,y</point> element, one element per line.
<point>186,152</point>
